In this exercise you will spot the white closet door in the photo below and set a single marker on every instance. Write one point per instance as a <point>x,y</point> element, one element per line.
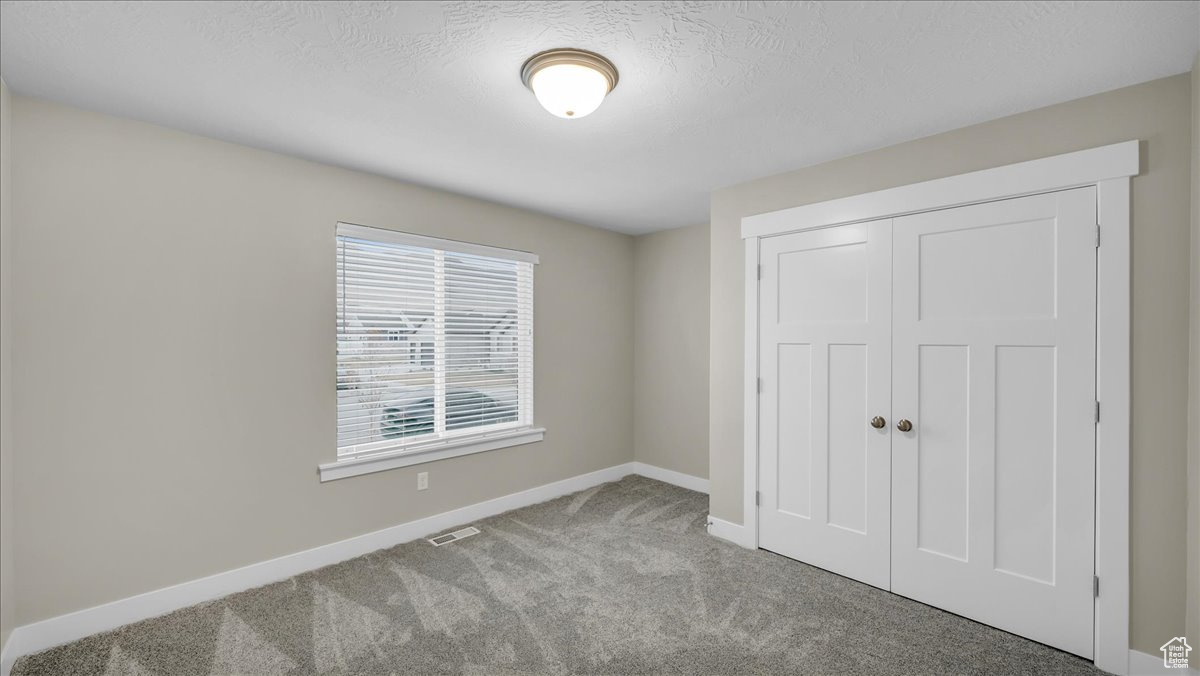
<point>824,361</point>
<point>994,349</point>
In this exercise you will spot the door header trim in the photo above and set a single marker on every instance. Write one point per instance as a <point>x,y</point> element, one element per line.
<point>1058,172</point>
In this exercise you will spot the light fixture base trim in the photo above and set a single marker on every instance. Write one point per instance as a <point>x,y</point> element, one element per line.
<point>578,57</point>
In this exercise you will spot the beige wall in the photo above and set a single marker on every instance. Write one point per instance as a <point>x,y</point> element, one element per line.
<point>671,349</point>
<point>176,348</point>
<point>1193,610</point>
<point>1157,112</point>
<point>7,584</point>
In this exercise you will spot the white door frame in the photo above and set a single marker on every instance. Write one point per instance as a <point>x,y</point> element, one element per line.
<point>1109,168</point>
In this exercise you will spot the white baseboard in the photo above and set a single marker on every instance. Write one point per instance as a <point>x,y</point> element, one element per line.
<point>670,476</point>
<point>48,633</point>
<point>1145,664</point>
<point>733,532</point>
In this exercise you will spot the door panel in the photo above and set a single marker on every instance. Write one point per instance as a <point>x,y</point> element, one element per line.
<point>825,299</point>
<point>994,363</point>
<point>794,478</point>
<point>823,284</point>
<point>1024,522</point>
<point>968,273</point>
<point>848,440</point>
<point>942,470</point>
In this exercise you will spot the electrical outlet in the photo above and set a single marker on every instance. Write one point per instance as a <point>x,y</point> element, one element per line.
<point>422,481</point>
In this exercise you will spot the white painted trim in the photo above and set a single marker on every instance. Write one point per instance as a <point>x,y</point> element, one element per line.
<point>7,657</point>
<point>1110,169</point>
<point>48,633</point>
<point>409,239</point>
<point>735,533</point>
<point>750,414</point>
<point>670,476</point>
<point>1113,305</point>
<point>1070,170</point>
<point>1145,664</point>
<point>450,448</point>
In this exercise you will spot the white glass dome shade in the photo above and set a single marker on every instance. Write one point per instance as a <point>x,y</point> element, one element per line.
<point>569,83</point>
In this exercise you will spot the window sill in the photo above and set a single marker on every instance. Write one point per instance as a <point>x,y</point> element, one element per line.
<point>385,461</point>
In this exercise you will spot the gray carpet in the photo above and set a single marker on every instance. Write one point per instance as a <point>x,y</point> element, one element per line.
<point>618,579</point>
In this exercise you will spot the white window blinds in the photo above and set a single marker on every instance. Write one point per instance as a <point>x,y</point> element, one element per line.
<point>434,341</point>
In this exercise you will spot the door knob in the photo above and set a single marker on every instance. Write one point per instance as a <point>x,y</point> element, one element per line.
<point>904,426</point>
<point>878,422</point>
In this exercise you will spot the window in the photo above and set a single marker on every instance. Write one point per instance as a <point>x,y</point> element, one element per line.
<point>434,345</point>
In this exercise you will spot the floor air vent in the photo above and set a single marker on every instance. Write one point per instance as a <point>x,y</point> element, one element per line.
<point>459,534</point>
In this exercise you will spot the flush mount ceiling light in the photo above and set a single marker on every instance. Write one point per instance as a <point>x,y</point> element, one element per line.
<point>569,83</point>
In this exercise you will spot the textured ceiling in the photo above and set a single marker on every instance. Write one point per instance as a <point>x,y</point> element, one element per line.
<point>711,94</point>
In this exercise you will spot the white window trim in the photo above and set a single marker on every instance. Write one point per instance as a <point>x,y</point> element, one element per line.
<point>443,448</point>
<point>1110,168</point>
<point>407,239</point>
<point>438,450</point>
